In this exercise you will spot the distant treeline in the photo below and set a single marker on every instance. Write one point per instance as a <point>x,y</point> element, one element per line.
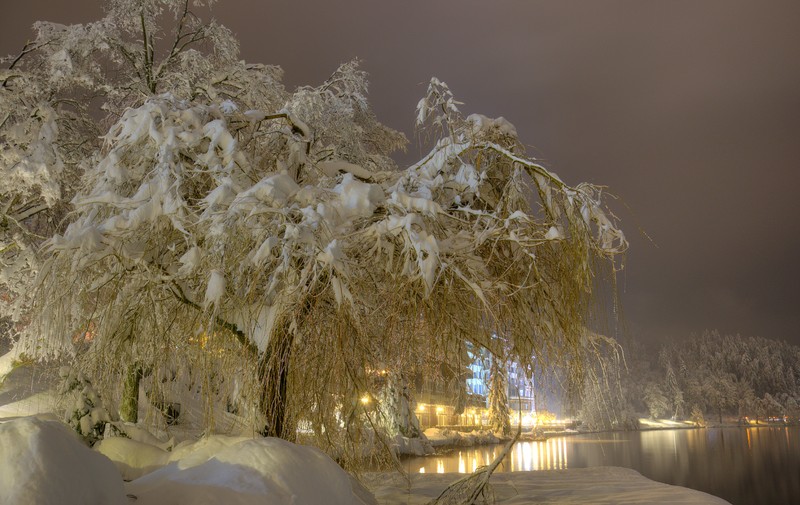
<point>708,377</point>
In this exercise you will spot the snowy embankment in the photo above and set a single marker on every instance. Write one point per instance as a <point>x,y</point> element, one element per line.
<point>448,438</point>
<point>45,463</point>
<point>437,438</point>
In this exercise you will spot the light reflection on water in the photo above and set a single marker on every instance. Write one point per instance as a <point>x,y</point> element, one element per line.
<point>525,456</point>
<point>742,465</point>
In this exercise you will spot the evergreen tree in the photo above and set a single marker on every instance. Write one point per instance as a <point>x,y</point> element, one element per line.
<point>499,415</point>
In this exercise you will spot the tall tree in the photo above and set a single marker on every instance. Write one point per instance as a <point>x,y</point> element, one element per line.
<point>59,95</point>
<point>267,237</point>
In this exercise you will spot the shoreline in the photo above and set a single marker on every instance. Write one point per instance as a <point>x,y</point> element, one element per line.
<point>461,441</point>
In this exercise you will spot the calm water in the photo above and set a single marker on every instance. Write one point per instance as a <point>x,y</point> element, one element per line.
<point>742,465</point>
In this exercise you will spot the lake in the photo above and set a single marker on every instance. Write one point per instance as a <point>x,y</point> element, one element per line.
<point>742,465</point>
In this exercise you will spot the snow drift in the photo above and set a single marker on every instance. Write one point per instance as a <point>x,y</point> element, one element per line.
<point>45,463</point>
<point>238,471</point>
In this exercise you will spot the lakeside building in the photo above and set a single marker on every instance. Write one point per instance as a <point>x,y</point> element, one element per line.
<point>437,400</point>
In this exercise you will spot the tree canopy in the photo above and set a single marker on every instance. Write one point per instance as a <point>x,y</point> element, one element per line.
<point>262,241</point>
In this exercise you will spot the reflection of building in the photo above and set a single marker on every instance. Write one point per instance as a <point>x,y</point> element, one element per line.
<point>436,404</point>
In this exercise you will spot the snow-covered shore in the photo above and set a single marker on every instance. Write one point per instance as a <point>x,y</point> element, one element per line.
<point>51,466</point>
<point>44,462</point>
<point>598,485</point>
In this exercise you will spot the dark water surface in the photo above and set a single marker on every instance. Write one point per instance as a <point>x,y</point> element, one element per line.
<point>742,465</point>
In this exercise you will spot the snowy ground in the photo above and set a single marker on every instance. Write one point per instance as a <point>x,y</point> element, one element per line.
<point>44,462</point>
<point>445,438</point>
<point>599,485</point>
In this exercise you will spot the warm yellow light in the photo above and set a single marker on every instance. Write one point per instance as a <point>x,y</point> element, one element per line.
<point>365,399</point>
<point>439,410</point>
<point>421,407</point>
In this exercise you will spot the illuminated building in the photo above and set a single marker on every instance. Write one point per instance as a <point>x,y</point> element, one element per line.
<point>437,399</point>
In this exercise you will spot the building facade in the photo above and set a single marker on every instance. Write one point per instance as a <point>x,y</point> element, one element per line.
<point>437,405</point>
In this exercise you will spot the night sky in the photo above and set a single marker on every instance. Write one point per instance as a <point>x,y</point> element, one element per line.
<point>689,111</point>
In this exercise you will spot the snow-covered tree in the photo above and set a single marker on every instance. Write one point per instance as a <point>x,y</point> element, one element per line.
<point>696,416</point>
<point>397,400</point>
<point>499,420</point>
<point>657,403</point>
<point>58,96</point>
<point>41,144</point>
<point>792,408</point>
<point>671,389</point>
<point>266,238</point>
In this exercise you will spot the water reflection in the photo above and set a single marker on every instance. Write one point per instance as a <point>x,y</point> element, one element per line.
<point>742,465</point>
<point>531,456</point>
<point>525,456</point>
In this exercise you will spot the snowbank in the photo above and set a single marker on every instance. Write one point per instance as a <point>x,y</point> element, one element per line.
<point>133,459</point>
<point>259,471</point>
<point>417,446</point>
<point>6,363</point>
<point>25,390</point>
<point>443,437</point>
<point>45,463</point>
<point>591,486</point>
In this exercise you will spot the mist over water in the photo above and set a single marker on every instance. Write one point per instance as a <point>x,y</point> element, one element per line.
<point>742,465</point>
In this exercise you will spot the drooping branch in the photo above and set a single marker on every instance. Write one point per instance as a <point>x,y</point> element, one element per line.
<point>148,54</point>
<point>30,211</point>
<point>471,488</point>
<point>29,47</point>
<point>241,336</point>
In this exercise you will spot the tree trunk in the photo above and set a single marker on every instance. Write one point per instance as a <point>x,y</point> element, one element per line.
<point>459,390</point>
<point>273,370</point>
<point>129,408</point>
<point>460,394</point>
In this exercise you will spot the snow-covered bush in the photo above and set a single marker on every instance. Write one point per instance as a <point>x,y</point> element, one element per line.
<point>87,415</point>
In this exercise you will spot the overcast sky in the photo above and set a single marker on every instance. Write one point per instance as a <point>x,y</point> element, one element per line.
<point>688,110</point>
